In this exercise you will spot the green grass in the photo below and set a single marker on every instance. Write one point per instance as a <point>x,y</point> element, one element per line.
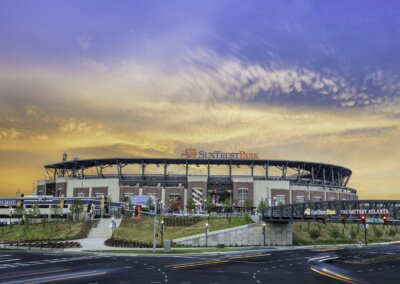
<point>301,234</point>
<point>142,229</point>
<point>47,230</point>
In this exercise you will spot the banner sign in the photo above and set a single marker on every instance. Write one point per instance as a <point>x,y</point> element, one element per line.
<point>309,212</point>
<point>201,154</point>
<point>7,202</point>
<point>364,211</point>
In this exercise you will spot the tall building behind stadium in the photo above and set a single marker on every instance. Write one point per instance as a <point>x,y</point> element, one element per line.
<point>237,178</point>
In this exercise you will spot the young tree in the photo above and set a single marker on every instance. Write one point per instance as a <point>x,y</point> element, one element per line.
<point>353,233</point>
<point>19,212</point>
<point>56,210</point>
<point>191,205</point>
<point>150,203</point>
<point>262,206</point>
<point>246,205</point>
<point>76,208</point>
<point>34,211</point>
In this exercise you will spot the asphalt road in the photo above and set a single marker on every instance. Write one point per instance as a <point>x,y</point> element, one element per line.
<point>375,264</point>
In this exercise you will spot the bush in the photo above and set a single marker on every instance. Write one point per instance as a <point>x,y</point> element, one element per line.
<point>391,232</point>
<point>378,233</point>
<point>314,234</point>
<point>335,234</point>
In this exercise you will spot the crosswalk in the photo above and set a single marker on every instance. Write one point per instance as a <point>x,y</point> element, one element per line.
<point>16,262</point>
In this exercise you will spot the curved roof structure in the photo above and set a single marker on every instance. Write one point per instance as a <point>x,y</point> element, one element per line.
<point>307,172</point>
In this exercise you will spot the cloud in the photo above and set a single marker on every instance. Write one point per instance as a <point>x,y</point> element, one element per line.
<point>10,133</point>
<point>84,42</point>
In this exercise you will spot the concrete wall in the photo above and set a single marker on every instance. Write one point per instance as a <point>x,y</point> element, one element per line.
<point>279,234</point>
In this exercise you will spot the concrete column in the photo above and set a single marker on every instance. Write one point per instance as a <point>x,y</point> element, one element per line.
<point>163,195</point>
<point>184,198</point>
<point>140,191</point>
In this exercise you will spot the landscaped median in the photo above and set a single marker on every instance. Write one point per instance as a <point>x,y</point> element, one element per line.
<point>316,233</point>
<point>49,231</point>
<point>138,232</point>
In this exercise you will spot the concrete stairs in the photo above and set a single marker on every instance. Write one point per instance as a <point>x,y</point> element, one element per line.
<point>103,230</point>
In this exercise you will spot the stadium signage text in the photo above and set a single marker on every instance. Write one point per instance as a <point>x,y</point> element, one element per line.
<point>309,212</point>
<point>364,211</point>
<point>193,154</point>
<point>8,202</point>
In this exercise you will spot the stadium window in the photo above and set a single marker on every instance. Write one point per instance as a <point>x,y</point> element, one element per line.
<point>173,196</point>
<point>317,198</point>
<point>280,199</point>
<point>299,199</point>
<point>243,194</point>
<point>98,194</point>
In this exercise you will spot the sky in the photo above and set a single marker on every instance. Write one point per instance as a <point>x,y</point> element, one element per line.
<point>294,80</point>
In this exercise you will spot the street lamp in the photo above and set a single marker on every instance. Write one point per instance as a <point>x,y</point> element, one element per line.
<point>206,232</point>
<point>11,214</point>
<point>162,233</point>
<point>263,232</point>
<point>274,201</point>
<point>205,204</point>
<point>155,225</point>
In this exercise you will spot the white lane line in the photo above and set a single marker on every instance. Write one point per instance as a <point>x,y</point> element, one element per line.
<point>244,272</point>
<point>7,260</point>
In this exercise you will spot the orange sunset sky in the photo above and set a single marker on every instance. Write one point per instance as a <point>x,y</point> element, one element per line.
<point>149,80</point>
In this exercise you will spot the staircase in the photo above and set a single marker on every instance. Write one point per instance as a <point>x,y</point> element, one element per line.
<point>103,230</point>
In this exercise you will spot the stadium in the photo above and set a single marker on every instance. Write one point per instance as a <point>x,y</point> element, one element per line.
<point>239,179</point>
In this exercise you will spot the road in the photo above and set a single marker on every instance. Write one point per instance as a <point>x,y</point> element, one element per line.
<point>373,264</point>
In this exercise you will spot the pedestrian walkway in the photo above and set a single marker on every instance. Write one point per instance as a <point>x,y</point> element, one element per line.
<point>103,229</point>
<point>97,236</point>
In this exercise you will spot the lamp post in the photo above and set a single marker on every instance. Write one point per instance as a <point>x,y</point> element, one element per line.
<point>155,225</point>
<point>263,232</point>
<point>274,199</point>
<point>11,214</point>
<point>206,232</point>
<point>162,233</point>
<point>205,204</point>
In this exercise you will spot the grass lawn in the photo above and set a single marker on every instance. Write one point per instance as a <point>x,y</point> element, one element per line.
<point>142,229</point>
<point>351,234</point>
<point>47,230</point>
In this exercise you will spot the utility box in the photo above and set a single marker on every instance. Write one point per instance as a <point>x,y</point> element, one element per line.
<point>167,245</point>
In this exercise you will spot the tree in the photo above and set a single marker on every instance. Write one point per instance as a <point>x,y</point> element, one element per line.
<point>34,211</point>
<point>191,205</point>
<point>314,234</point>
<point>335,234</point>
<point>353,233</point>
<point>19,212</point>
<point>56,210</point>
<point>150,203</point>
<point>226,204</point>
<point>262,206</point>
<point>246,205</point>
<point>76,208</point>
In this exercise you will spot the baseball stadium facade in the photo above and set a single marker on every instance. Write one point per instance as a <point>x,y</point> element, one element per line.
<point>239,180</point>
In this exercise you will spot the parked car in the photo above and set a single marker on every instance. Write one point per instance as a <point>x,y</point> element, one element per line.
<point>179,213</point>
<point>201,214</point>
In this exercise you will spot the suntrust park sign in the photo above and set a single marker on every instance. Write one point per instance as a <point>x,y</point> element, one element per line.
<point>201,154</point>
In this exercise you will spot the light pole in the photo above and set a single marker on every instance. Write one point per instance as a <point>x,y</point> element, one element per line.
<point>205,204</point>
<point>11,214</point>
<point>206,232</point>
<point>155,225</point>
<point>274,199</point>
<point>263,232</point>
<point>162,233</point>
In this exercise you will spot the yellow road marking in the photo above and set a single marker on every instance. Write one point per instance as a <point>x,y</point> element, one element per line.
<point>334,276</point>
<point>34,273</point>
<point>249,256</point>
<point>194,264</point>
<point>327,249</point>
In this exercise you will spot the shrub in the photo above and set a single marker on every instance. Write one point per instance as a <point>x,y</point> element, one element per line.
<point>314,234</point>
<point>378,233</point>
<point>353,233</point>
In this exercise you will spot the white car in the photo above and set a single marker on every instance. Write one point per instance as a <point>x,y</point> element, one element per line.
<point>179,214</point>
<point>201,214</point>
